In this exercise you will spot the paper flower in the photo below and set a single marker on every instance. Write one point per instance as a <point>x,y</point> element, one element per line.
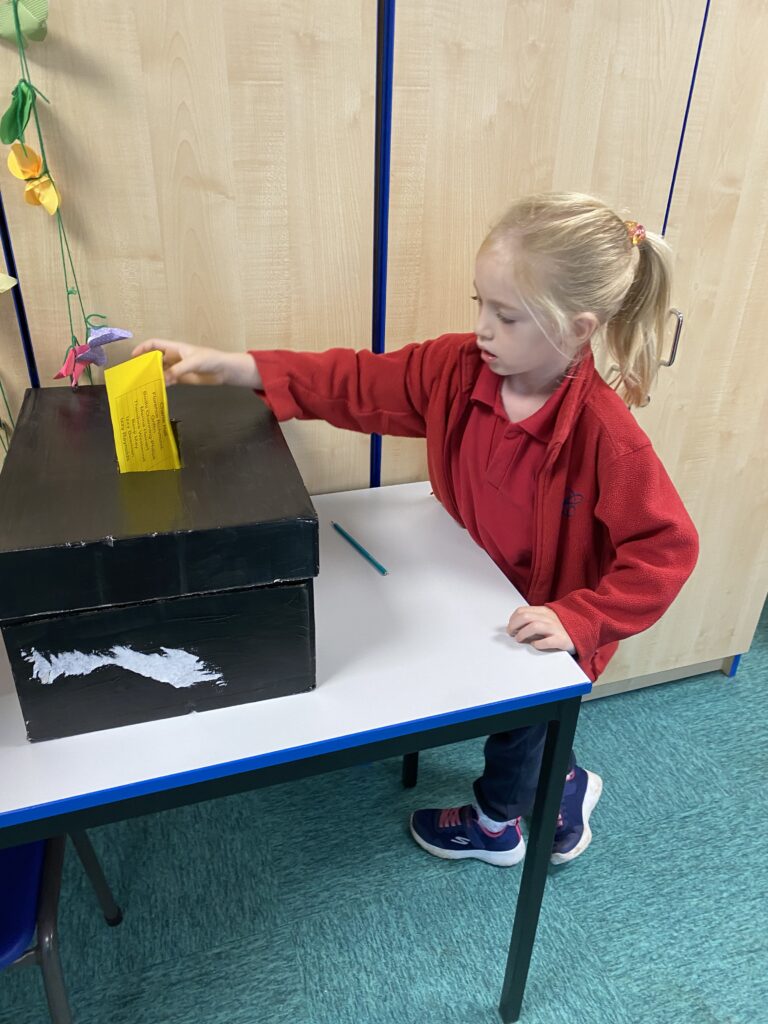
<point>33,15</point>
<point>6,283</point>
<point>79,356</point>
<point>70,367</point>
<point>16,117</point>
<point>98,337</point>
<point>24,163</point>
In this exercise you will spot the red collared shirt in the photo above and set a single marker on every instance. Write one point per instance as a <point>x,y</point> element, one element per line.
<point>494,471</point>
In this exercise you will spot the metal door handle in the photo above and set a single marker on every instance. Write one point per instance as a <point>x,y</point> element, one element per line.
<point>675,340</point>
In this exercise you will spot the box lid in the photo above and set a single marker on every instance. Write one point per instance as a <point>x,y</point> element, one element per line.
<point>75,533</point>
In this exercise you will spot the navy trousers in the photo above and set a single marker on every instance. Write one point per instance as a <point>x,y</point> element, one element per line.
<point>507,787</point>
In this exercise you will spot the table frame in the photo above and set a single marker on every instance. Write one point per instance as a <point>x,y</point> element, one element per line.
<point>561,716</point>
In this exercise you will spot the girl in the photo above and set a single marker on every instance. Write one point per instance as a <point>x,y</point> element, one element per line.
<point>532,452</point>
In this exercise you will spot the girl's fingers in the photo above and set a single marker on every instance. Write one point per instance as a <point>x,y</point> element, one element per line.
<point>517,620</point>
<point>537,629</point>
<point>188,378</point>
<point>540,628</point>
<point>549,643</point>
<point>195,369</point>
<point>150,345</point>
<point>184,369</point>
<point>527,613</point>
<point>171,350</point>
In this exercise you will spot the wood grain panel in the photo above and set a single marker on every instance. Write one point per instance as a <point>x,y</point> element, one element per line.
<point>216,168</point>
<point>709,415</point>
<point>585,95</point>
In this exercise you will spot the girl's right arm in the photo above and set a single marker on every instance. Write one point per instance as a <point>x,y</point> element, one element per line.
<point>354,390</point>
<point>191,364</point>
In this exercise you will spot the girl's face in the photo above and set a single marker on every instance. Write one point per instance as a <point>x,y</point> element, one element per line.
<point>510,341</point>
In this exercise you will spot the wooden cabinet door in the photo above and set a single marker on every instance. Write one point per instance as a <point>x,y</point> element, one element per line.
<point>497,100</point>
<point>708,417</point>
<point>215,163</point>
<point>591,96</point>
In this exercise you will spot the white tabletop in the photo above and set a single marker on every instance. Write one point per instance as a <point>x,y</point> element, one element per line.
<point>421,647</point>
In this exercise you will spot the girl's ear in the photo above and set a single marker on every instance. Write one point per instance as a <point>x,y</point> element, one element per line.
<point>583,327</point>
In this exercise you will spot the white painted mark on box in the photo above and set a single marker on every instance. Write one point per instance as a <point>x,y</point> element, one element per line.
<point>174,666</point>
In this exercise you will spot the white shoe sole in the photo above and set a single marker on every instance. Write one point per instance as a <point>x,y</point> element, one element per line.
<point>592,795</point>
<point>500,858</point>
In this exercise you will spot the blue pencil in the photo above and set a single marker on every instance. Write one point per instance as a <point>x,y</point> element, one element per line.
<point>359,547</point>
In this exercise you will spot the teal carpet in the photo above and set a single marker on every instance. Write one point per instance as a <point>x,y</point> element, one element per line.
<point>268,908</point>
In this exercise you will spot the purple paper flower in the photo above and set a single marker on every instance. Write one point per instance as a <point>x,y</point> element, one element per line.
<point>98,337</point>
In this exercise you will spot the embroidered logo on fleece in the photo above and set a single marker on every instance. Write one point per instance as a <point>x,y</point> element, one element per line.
<point>571,500</point>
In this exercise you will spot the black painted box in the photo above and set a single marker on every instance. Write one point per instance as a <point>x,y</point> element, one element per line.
<point>131,597</point>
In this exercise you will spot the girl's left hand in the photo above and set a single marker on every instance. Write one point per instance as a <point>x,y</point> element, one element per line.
<point>541,628</point>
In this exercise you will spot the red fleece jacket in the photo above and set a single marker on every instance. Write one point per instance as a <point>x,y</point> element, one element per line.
<point>613,543</point>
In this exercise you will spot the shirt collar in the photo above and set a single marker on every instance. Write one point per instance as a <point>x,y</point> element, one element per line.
<point>541,424</point>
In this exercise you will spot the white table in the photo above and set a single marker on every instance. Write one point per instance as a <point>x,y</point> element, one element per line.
<point>414,659</point>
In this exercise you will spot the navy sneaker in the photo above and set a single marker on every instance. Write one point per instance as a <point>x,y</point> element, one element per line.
<point>455,833</point>
<point>573,835</point>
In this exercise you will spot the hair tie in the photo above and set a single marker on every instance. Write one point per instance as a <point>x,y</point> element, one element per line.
<point>635,231</point>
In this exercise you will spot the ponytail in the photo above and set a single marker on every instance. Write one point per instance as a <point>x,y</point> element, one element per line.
<point>634,337</point>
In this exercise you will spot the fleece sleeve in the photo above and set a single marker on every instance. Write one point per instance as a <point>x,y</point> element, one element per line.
<point>655,550</point>
<point>372,393</point>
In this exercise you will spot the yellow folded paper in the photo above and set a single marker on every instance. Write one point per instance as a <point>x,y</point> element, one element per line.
<point>138,405</point>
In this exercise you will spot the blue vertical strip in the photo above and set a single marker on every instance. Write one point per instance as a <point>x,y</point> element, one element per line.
<point>385,56</point>
<point>685,119</point>
<point>18,299</point>
<point>734,666</point>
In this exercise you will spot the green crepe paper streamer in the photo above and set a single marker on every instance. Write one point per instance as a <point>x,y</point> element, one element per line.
<point>16,117</point>
<point>33,15</point>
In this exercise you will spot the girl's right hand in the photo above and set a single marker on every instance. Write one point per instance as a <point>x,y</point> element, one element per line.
<point>192,364</point>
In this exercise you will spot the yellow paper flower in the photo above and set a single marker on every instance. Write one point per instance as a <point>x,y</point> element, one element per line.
<point>24,163</point>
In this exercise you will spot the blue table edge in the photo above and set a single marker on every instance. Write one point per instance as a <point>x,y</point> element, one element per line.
<point>178,780</point>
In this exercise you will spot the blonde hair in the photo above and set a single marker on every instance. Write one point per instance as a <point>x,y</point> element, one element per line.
<point>572,254</point>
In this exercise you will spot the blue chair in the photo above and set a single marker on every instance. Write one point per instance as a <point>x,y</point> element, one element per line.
<point>30,883</point>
